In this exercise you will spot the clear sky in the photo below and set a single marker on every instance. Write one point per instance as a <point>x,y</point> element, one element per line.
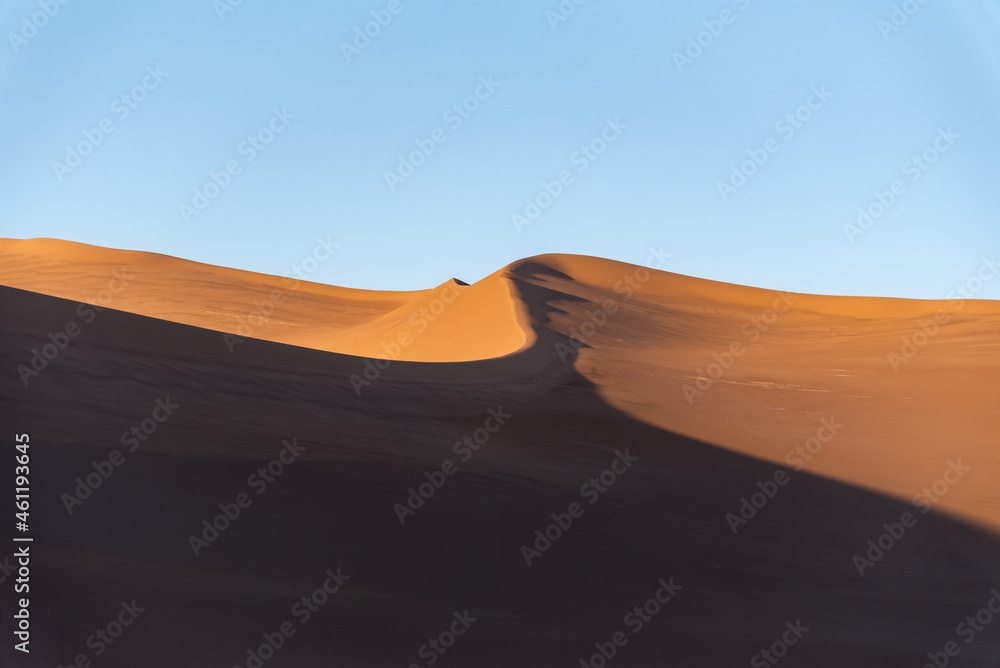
<point>117,114</point>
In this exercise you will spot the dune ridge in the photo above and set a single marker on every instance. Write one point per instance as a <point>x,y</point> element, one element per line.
<point>289,310</point>
<point>749,369</point>
<point>491,322</point>
<point>707,387</point>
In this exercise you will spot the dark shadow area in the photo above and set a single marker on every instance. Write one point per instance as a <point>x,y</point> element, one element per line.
<point>334,507</point>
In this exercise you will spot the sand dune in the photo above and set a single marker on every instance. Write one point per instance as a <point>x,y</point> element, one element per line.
<point>283,309</point>
<point>590,359</point>
<point>821,357</point>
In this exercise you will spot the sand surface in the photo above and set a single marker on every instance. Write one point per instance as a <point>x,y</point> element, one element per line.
<point>285,309</point>
<point>589,358</point>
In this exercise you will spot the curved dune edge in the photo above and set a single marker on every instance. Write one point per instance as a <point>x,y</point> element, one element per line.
<point>868,391</point>
<point>604,273</point>
<point>824,358</point>
<point>449,323</point>
<point>452,322</point>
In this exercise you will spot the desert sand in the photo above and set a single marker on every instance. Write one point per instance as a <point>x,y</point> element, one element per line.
<point>699,396</point>
<point>285,309</point>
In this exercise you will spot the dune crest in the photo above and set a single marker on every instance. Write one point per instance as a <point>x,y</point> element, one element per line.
<point>911,385</point>
<point>518,390</point>
<point>756,371</point>
<point>453,322</point>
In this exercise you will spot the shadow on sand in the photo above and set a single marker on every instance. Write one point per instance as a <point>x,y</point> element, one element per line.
<point>461,551</point>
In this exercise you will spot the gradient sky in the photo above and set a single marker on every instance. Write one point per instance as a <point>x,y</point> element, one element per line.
<point>655,186</point>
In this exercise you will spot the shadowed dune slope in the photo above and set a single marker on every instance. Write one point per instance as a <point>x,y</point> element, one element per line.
<point>912,385</point>
<point>462,550</point>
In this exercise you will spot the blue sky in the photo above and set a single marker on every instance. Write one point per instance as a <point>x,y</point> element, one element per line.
<point>330,121</point>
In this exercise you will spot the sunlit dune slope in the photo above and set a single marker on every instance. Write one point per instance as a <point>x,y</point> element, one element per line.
<point>913,386</point>
<point>450,323</point>
<point>910,385</point>
<point>556,368</point>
